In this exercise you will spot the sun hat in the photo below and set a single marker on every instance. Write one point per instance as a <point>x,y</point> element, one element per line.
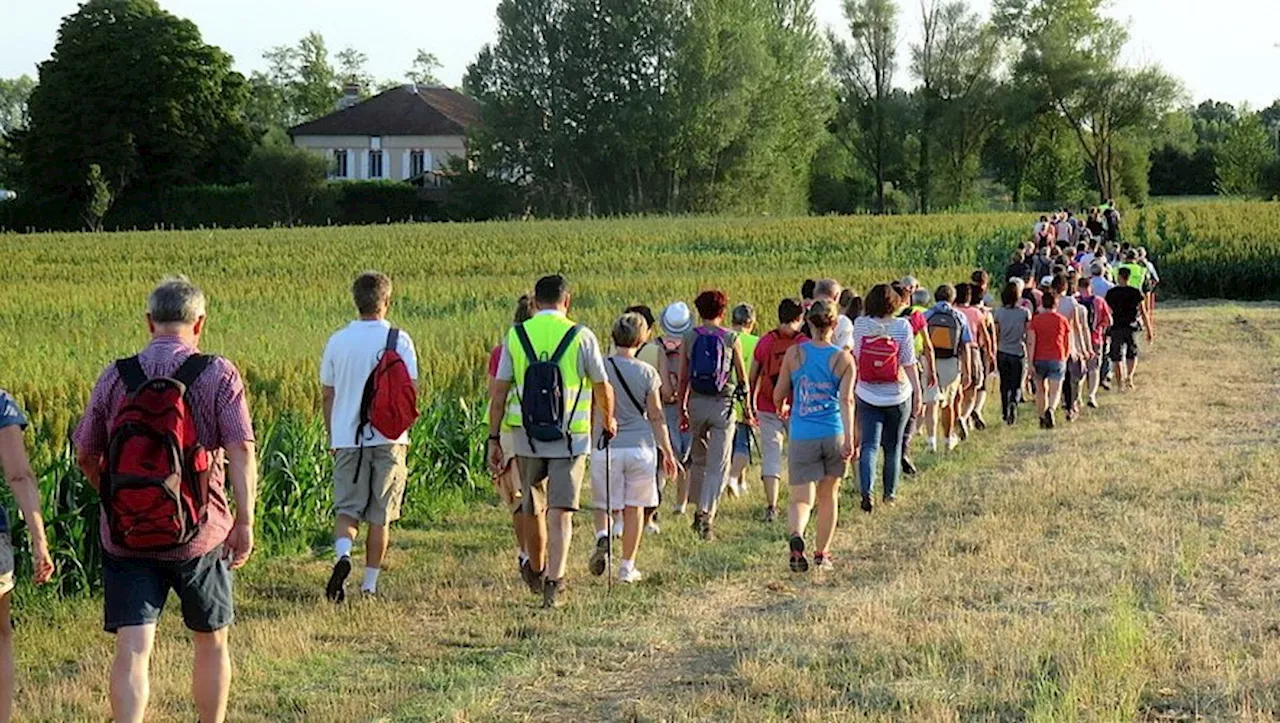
<point>1046,281</point>
<point>676,320</point>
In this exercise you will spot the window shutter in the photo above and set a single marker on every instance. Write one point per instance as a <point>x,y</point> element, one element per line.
<point>404,166</point>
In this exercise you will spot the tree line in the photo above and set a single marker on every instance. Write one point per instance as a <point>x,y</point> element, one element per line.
<point>602,107</point>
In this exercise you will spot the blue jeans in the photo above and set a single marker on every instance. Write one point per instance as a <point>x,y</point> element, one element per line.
<point>881,427</point>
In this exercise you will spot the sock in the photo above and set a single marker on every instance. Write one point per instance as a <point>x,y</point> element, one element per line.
<point>627,565</point>
<point>370,579</point>
<point>601,534</point>
<point>523,557</point>
<point>342,547</point>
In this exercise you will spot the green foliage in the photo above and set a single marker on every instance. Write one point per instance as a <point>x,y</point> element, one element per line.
<point>424,69</point>
<point>99,199</point>
<point>1228,250</point>
<point>1245,151</point>
<point>286,179</point>
<point>14,94</point>
<point>136,91</point>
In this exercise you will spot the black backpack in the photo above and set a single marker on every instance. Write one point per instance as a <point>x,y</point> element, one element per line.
<point>542,393</point>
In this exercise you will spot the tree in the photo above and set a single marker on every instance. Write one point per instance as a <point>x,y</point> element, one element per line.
<point>287,179</point>
<point>1071,49</point>
<point>302,84</point>
<point>135,91</point>
<point>424,69</point>
<point>14,94</point>
<point>1245,152</point>
<point>98,199</point>
<point>864,69</point>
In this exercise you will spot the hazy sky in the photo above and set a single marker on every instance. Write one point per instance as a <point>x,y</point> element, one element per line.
<point>1224,49</point>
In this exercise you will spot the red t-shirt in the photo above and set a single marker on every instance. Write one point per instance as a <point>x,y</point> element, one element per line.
<point>495,359</point>
<point>1053,336</point>
<point>764,350</point>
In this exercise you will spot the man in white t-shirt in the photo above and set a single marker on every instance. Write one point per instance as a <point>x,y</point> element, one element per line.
<point>369,470</point>
<point>830,289</point>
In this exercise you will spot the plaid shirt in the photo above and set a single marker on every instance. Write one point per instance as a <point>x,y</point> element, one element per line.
<point>222,417</point>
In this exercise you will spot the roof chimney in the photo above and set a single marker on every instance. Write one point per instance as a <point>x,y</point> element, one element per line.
<point>350,96</point>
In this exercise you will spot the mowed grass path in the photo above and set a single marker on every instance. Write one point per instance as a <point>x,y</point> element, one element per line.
<point>1125,567</point>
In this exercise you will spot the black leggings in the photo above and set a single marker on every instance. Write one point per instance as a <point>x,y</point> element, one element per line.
<point>1012,368</point>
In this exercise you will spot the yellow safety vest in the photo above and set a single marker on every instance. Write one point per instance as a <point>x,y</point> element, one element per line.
<point>546,331</point>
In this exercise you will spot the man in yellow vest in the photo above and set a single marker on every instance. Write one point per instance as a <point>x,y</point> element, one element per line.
<point>558,374</point>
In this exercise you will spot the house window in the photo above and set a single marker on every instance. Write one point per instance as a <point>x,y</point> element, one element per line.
<point>375,164</point>
<point>340,164</point>
<point>417,163</point>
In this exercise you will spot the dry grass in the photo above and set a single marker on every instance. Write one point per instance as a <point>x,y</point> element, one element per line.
<point>1126,567</point>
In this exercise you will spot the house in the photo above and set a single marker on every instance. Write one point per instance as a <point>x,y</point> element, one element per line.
<point>407,133</point>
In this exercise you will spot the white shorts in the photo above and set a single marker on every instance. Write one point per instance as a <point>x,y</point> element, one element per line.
<point>633,480</point>
<point>773,434</point>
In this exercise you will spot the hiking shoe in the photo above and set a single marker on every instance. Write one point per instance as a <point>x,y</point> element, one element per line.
<point>531,577</point>
<point>908,467</point>
<point>698,518</point>
<point>707,534</point>
<point>771,514</point>
<point>867,504</point>
<point>1105,385</point>
<point>978,422</point>
<point>629,575</point>
<point>799,563</point>
<point>336,590</point>
<point>1049,421</point>
<point>1093,402</point>
<point>537,581</point>
<point>600,556</point>
<point>962,426</point>
<point>890,501</point>
<point>952,443</point>
<point>652,528</point>
<point>822,561</point>
<point>551,593</point>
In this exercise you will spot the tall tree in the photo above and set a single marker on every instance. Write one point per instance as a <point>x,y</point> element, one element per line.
<point>424,69</point>
<point>301,83</point>
<point>1245,152</point>
<point>14,94</point>
<point>864,69</point>
<point>134,90</point>
<point>1072,49</point>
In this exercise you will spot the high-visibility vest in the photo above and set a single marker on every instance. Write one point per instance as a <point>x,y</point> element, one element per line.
<point>546,331</point>
<point>1137,274</point>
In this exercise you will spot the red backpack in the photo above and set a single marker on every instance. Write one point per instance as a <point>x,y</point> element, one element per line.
<point>390,401</point>
<point>155,474</point>
<point>878,359</point>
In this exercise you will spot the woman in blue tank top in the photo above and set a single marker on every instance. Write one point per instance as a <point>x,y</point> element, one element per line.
<point>816,387</point>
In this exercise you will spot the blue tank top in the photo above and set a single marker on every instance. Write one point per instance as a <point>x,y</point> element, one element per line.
<point>815,395</point>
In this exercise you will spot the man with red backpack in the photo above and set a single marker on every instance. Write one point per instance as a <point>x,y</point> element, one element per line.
<point>766,366</point>
<point>165,522</point>
<point>369,375</point>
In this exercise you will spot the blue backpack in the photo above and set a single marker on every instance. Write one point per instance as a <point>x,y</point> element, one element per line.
<point>710,361</point>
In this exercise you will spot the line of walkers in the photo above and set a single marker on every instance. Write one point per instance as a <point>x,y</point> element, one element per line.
<point>839,379</point>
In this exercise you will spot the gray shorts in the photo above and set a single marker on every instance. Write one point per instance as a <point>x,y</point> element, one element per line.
<point>369,482</point>
<point>6,565</point>
<point>812,460</point>
<point>551,483</point>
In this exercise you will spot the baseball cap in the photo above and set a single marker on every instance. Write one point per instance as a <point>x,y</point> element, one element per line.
<point>1046,281</point>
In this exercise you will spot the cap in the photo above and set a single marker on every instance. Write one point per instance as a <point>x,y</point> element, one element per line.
<point>1046,281</point>
<point>676,319</point>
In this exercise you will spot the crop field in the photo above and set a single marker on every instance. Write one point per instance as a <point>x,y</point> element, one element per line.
<point>72,303</point>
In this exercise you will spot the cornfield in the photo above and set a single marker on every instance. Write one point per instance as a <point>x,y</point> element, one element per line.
<point>74,302</point>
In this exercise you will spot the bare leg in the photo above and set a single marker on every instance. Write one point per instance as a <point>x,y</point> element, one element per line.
<point>522,524</point>
<point>560,534</point>
<point>375,547</point>
<point>211,678</point>
<point>602,520</point>
<point>828,511</point>
<point>347,527</point>
<point>632,531</point>
<point>536,542</point>
<point>737,468</point>
<point>1054,393</point>
<point>130,684</point>
<point>771,491</point>
<point>1041,396</point>
<point>6,660</point>
<point>801,505</point>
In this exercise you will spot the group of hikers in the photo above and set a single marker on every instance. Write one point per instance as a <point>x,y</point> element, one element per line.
<point>689,396</point>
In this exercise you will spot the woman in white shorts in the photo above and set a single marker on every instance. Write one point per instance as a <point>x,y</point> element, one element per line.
<point>630,459</point>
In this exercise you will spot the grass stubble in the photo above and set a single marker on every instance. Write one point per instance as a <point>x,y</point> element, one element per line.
<point>1125,567</point>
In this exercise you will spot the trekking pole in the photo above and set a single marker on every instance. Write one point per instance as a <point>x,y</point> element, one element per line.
<point>605,444</point>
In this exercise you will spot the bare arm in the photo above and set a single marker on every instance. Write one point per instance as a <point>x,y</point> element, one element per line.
<point>754,383</point>
<point>848,378</point>
<point>682,393</point>
<point>242,474</point>
<point>498,391</point>
<point>658,421</point>
<point>326,401</point>
<point>602,400</point>
<point>782,390</point>
<point>91,466</point>
<point>17,471</point>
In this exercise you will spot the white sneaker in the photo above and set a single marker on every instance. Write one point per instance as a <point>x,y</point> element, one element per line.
<point>931,444</point>
<point>628,575</point>
<point>952,443</point>
<point>652,528</point>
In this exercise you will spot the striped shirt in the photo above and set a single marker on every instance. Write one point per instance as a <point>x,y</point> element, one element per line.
<point>884,394</point>
<point>221,411</point>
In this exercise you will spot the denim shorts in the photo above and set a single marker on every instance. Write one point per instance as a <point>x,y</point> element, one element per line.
<point>134,591</point>
<point>742,440</point>
<point>1050,370</point>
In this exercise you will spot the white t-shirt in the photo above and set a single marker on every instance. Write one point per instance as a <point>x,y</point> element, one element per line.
<point>349,358</point>
<point>886,394</point>
<point>844,333</point>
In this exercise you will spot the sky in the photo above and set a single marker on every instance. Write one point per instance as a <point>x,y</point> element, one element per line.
<point>1221,49</point>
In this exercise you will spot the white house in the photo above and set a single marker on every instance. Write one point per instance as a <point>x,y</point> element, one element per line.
<point>408,133</point>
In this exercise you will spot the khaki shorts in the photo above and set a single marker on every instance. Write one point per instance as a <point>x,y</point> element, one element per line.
<point>948,383</point>
<point>812,460</point>
<point>508,483</point>
<point>6,565</point>
<point>368,483</point>
<point>551,483</point>
<point>773,435</point>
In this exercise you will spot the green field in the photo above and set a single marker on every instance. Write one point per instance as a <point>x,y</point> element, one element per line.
<point>72,303</point>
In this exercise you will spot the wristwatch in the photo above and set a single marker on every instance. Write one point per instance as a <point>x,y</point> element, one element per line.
<point>495,437</point>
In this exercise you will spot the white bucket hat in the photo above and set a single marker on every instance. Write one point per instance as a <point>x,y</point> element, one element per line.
<point>676,319</point>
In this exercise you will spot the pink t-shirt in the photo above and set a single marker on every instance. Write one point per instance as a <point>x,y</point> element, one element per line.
<point>976,319</point>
